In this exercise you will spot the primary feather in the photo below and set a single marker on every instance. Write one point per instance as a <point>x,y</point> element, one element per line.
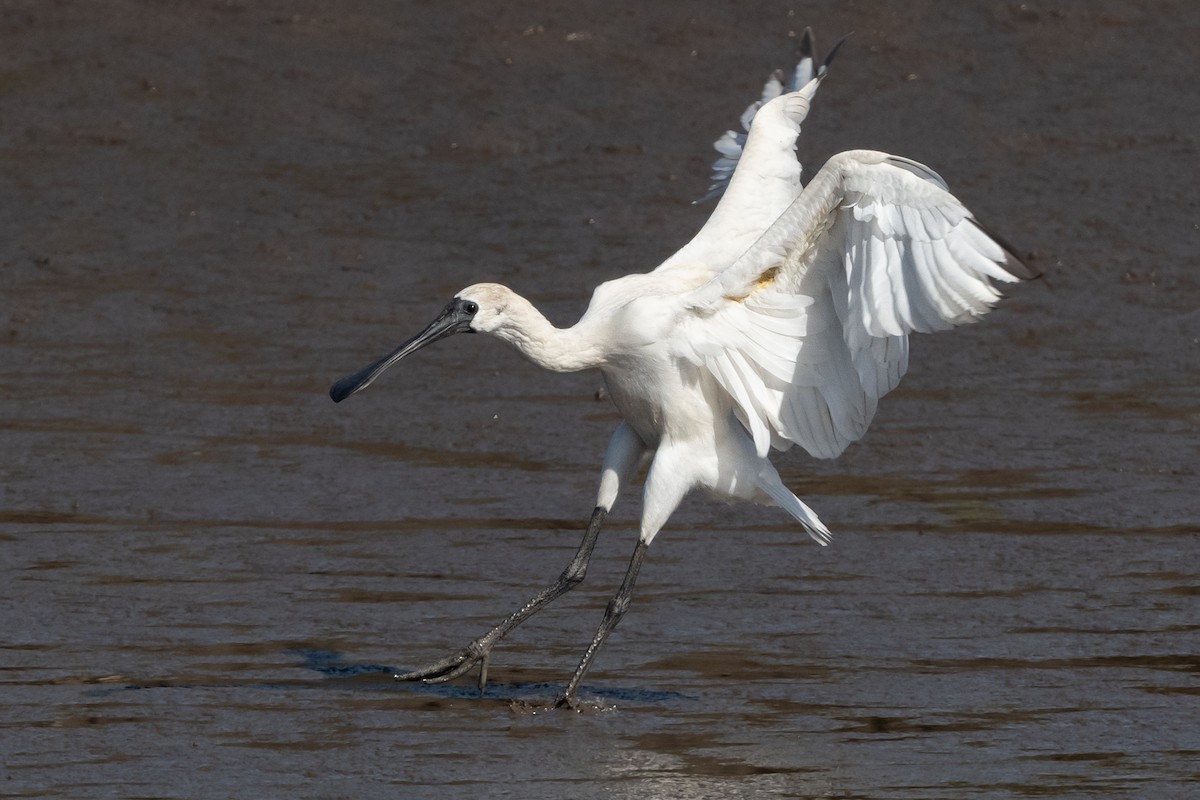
<point>758,174</point>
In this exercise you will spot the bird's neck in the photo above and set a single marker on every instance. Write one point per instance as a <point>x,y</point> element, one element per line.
<point>557,349</point>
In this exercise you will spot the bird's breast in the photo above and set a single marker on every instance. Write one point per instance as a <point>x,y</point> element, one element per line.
<point>641,409</point>
<point>661,397</point>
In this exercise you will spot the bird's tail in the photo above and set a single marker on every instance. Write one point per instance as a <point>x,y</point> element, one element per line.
<point>796,507</point>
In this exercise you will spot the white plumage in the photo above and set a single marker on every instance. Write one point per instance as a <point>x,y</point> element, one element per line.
<point>783,321</point>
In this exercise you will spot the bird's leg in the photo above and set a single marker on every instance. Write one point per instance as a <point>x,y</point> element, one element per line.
<point>612,615</point>
<point>478,651</point>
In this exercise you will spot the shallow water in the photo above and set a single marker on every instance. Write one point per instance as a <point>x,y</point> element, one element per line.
<point>210,571</point>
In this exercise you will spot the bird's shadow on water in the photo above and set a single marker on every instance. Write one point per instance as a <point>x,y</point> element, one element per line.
<point>338,671</point>
<point>340,675</point>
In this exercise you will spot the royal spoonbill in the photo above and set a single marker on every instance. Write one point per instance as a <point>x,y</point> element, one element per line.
<point>783,321</point>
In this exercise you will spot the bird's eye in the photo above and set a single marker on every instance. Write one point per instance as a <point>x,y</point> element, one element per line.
<point>470,307</point>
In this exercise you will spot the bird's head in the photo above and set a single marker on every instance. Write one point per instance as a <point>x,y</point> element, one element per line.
<point>492,303</point>
<point>481,308</point>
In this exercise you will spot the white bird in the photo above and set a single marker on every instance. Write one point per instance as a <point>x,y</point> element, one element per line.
<point>783,321</point>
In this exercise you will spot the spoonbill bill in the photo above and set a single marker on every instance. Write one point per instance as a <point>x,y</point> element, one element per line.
<point>782,322</point>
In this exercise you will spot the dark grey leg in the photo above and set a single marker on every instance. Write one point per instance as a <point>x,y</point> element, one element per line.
<point>612,615</point>
<point>478,651</point>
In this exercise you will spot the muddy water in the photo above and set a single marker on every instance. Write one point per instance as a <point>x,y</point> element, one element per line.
<point>209,571</point>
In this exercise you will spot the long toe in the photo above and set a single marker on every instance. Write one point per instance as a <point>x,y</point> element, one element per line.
<point>450,667</point>
<point>439,671</point>
<point>449,675</point>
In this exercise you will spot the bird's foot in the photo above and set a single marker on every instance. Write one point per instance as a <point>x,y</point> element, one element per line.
<point>451,667</point>
<point>568,702</point>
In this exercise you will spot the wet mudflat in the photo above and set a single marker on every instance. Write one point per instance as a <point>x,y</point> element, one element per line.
<point>209,571</point>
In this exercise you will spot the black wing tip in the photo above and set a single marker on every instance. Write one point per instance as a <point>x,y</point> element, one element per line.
<point>808,47</point>
<point>833,52</point>
<point>1013,263</point>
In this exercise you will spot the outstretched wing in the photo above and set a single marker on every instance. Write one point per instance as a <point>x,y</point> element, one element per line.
<point>758,172</point>
<point>732,144</point>
<point>809,328</point>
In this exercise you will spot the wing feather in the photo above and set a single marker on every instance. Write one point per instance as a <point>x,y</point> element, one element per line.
<point>728,375</point>
<point>804,78</point>
<point>808,329</point>
<point>757,175</point>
